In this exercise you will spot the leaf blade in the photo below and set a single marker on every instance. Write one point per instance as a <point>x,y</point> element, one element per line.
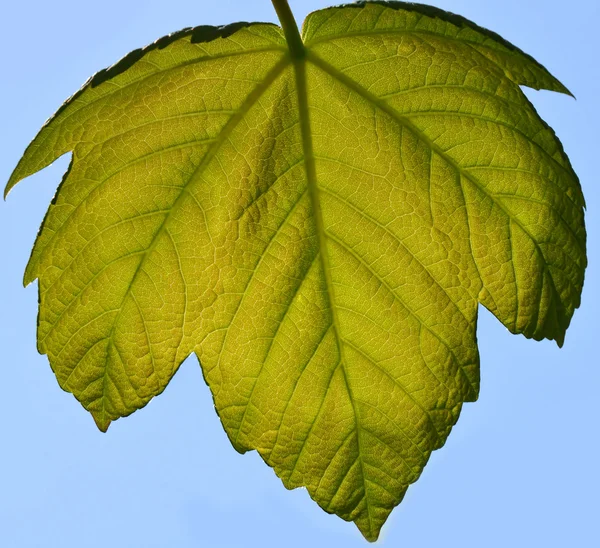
<point>319,234</point>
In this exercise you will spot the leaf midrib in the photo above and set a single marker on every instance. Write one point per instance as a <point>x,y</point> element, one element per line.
<point>313,188</point>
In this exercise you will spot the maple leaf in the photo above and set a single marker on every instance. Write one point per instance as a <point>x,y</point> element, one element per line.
<point>317,219</point>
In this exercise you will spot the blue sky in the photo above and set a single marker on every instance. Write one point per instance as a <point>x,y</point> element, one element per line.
<point>520,468</point>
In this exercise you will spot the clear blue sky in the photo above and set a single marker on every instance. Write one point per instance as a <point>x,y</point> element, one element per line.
<point>520,468</point>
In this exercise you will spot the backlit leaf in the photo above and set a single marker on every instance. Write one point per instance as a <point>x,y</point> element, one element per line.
<point>317,227</point>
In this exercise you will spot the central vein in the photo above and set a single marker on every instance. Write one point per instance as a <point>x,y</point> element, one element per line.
<point>313,189</point>
<point>298,56</point>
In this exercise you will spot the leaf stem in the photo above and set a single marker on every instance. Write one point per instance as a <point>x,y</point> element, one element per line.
<point>290,28</point>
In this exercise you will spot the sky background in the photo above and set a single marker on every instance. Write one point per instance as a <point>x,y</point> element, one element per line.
<point>520,468</point>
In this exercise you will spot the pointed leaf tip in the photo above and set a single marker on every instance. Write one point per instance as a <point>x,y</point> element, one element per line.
<point>101,423</point>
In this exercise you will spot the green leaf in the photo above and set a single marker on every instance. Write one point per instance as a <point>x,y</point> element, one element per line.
<point>317,224</point>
